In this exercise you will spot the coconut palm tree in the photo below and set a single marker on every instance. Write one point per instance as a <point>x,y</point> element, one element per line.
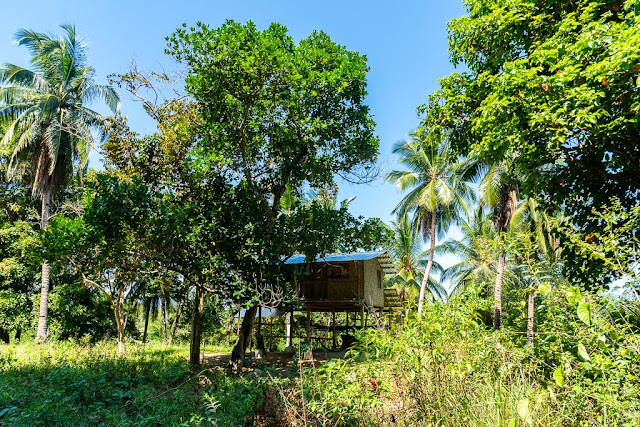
<point>499,189</point>
<point>538,252</point>
<point>48,127</point>
<point>477,252</point>
<point>438,194</point>
<point>410,261</point>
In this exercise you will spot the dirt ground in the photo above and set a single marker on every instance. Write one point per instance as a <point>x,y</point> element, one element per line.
<point>282,363</point>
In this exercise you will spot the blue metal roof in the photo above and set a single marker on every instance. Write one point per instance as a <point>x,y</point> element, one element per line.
<point>358,256</point>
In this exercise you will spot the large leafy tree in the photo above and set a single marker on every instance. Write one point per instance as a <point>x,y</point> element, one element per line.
<point>438,186</point>
<point>556,84</point>
<point>48,126</point>
<point>278,113</point>
<point>106,245</point>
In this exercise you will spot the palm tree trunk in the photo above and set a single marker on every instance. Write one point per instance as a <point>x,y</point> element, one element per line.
<point>41,332</point>
<point>425,279</point>
<point>530,314</point>
<point>508,204</point>
<point>497,292</point>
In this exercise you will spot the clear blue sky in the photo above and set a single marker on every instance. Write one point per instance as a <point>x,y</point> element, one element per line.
<point>405,42</point>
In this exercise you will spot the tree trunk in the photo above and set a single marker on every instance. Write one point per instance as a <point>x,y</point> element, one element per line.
<point>174,324</point>
<point>425,279</point>
<point>509,202</point>
<point>497,292</point>
<point>42,332</point>
<point>146,320</point>
<point>227,333</point>
<point>163,309</point>
<point>121,321</point>
<point>239,349</point>
<point>4,336</point>
<point>530,315</point>
<point>18,334</point>
<point>196,326</point>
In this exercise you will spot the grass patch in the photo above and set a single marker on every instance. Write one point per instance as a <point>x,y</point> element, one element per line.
<point>72,384</point>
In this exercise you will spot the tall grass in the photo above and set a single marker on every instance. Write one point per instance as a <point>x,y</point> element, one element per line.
<point>449,369</point>
<point>66,384</point>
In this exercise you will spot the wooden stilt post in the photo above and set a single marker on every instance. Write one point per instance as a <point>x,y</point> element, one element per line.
<point>308,325</point>
<point>239,323</point>
<point>271,335</point>
<point>362,316</point>
<point>335,338</point>
<point>289,330</point>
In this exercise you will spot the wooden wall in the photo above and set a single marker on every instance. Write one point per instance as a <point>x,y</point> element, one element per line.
<point>330,281</point>
<point>373,283</point>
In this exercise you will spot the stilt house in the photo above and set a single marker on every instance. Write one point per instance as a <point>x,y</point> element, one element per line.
<point>349,282</point>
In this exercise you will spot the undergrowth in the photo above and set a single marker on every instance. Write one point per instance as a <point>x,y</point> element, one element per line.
<point>450,369</point>
<point>72,384</point>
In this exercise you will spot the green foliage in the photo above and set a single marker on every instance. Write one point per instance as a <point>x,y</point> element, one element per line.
<point>79,312</point>
<point>449,369</point>
<point>19,241</point>
<point>264,96</point>
<point>553,85</point>
<point>233,401</point>
<point>16,310</point>
<point>74,384</point>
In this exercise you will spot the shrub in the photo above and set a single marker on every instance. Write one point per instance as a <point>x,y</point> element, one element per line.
<point>448,369</point>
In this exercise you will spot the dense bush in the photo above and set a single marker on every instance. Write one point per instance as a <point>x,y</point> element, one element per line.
<point>448,369</point>
<point>76,311</point>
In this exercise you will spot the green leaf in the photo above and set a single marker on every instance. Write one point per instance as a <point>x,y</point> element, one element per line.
<point>544,288</point>
<point>524,412</point>
<point>584,313</point>
<point>557,376</point>
<point>582,351</point>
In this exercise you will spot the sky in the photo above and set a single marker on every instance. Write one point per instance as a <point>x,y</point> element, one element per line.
<point>405,42</point>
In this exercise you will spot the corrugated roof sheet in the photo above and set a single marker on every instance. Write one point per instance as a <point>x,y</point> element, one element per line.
<point>383,257</point>
<point>358,256</point>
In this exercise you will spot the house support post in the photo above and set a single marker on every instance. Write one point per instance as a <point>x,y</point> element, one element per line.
<point>308,325</point>
<point>362,316</point>
<point>289,332</point>
<point>260,351</point>
<point>335,338</point>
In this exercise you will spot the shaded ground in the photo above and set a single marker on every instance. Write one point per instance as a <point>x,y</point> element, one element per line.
<point>281,363</point>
